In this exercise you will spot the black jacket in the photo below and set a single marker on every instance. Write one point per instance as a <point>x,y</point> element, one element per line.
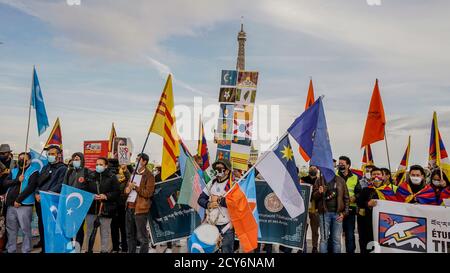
<point>13,187</point>
<point>52,177</point>
<point>104,183</point>
<point>78,178</point>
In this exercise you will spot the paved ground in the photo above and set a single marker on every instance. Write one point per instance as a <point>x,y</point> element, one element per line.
<point>182,246</point>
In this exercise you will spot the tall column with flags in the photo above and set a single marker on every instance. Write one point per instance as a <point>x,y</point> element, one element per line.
<point>237,98</point>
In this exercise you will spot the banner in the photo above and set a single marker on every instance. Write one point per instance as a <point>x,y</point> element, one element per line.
<point>276,226</point>
<point>411,228</point>
<point>118,146</point>
<point>168,220</point>
<point>93,150</point>
<point>124,155</point>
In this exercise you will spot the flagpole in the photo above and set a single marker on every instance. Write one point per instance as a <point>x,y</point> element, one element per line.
<point>259,160</point>
<point>367,154</point>
<point>387,149</point>
<point>137,164</point>
<point>29,118</point>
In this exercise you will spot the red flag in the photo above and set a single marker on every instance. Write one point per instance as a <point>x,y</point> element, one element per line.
<point>309,101</point>
<point>376,120</point>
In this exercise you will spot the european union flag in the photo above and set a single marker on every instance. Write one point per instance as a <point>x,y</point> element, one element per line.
<point>55,241</point>
<point>73,206</point>
<point>311,133</point>
<point>38,161</point>
<point>37,101</point>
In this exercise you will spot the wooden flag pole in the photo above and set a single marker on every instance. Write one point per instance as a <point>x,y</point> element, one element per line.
<point>29,118</point>
<point>387,149</point>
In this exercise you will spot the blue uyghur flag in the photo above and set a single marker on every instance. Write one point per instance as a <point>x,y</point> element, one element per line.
<point>73,206</point>
<point>55,241</point>
<point>38,161</point>
<point>311,133</point>
<point>37,101</point>
<point>248,187</point>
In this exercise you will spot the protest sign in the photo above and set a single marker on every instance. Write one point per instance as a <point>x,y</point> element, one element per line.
<point>410,228</point>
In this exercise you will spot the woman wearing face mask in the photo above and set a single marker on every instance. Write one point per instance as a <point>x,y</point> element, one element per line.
<point>77,176</point>
<point>105,186</point>
<point>440,185</point>
<point>415,190</point>
<point>212,199</point>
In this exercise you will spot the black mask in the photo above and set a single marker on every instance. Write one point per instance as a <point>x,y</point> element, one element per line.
<point>341,168</point>
<point>4,158</point>
<point>312,173</point>
<point>21,162</point>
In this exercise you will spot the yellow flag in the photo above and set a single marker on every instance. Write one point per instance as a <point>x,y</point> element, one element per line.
<point>164,125</point>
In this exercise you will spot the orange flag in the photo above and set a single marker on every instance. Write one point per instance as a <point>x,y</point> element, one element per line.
<point>376,120</point>
<point>242,218</point>
<point>309,101</point>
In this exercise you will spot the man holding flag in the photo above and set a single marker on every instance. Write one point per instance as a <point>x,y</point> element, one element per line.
<point>329,191</point>
<point>50,179</point>
<point>20,184</point>
<point>213,200</point>
<point>73,206</point>
<point>139,192</point>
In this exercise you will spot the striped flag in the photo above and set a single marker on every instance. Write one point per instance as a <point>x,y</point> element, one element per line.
<point>202,149</point>
<point>55,137</point>
<point>425,196</point>
<point>438,156</point>
<point>193,183</point>
<point>385,192</point>
<point>163,124</point>
<point>112,135</point>
<point>309,101</point>
<point>400,176</point>
<point>367,158</point>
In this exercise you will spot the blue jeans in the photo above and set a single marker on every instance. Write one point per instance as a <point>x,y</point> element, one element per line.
<point>330,227</point>
<point>349,232</point>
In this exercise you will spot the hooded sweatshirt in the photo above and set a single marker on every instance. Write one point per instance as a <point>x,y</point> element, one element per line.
<point>77,178</point>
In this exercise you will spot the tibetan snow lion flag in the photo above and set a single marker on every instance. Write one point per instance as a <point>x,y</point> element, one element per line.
<point>410,228</point>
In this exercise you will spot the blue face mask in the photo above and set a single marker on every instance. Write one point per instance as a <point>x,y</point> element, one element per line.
<point>76,164</point>
<point>99,168</point>
<point>51,159</point>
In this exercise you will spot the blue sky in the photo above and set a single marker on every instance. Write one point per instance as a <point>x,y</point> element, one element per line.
<point>104,62</point>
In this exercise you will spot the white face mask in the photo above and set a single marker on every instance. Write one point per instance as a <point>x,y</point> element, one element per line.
<point>416,180</point>
<point>368,176</point>
<point>437,183</point>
